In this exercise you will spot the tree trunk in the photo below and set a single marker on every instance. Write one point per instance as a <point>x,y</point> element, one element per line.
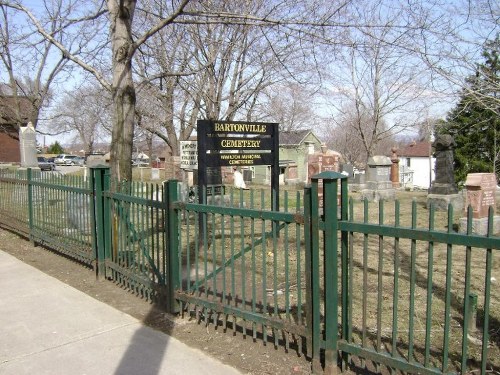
<point>123,90</point>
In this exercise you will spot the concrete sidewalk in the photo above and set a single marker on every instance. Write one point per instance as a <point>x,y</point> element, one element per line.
<point>48,327</point>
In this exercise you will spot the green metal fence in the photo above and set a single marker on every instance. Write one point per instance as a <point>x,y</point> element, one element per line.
<point>410,293</point>
<point>350,284</point>
<point>50,209</point>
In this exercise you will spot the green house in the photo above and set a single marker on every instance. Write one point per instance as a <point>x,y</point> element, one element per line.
<point>294,146</point>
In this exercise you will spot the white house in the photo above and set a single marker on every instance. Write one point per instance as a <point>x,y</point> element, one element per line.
<point>416,165</point>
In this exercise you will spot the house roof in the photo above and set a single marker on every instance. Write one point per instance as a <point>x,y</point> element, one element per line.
<point>8,113</point>
<point>416,149</point>
<point>293,138</point>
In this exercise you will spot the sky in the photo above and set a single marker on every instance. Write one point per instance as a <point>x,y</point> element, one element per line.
<point>434,108</point>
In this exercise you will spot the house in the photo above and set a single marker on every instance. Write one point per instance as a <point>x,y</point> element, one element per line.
<point>294,146</point>
<point>416,165</point>
<point>14,112</point>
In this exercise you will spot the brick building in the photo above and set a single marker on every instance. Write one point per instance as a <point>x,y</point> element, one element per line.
<point>13,112</point>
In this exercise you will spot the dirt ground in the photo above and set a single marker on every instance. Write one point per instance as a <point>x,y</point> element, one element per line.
<point>230,348</point>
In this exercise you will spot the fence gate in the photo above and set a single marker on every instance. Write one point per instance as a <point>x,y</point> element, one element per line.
<point>243,268</point>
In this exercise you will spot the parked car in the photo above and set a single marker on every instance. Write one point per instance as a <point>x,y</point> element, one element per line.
<point>79,160</point>
<point>64,159</point>
<point>45,165</point>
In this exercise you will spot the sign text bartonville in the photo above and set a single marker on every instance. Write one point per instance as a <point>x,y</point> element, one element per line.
<point>224,143</point>
<point>237,143</point>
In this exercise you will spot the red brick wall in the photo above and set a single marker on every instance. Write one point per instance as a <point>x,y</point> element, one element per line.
<point>9,149</point>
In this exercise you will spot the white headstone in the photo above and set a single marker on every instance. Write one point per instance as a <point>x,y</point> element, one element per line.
<point>27,140</point>
<point>155,174</point>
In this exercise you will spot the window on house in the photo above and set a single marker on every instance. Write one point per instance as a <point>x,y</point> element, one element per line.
<point>408,162</point>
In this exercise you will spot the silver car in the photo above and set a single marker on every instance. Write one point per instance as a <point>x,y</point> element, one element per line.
<point>64,159</point>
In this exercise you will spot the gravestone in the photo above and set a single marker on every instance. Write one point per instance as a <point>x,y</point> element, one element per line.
<point>155,174</point>
<point>27,142</point>
<point>348,170</point>
<point>480,195</point>
<point>357,183</point>
<point>378,185</point>
<point>444,183</point>
<point>444,190</point>
<point>78,213</point>
<point>326,160</point>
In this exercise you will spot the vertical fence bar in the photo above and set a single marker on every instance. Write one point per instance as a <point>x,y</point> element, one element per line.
<point>395,295</point>
<point>380,280</point>
<point>29,175</point>
<point>447,312</point>
<point>308,271</point>
<point>347,266</point>
<point>299,266</point>
<point>365,279</point>
<point>487,290</point>
<point>172,253</point>
<point>413,256</point>
<point>315,291</point>
<point>430,270</point>
<point>468,255</point>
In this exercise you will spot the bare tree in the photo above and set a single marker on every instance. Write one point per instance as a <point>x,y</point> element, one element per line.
<point>378,84</point>
<point>294,33</point>
<point>86,112</point>
<point>20,44</point>
<point>451,44</point>
<point>214,70</point>
<point>291,105</point>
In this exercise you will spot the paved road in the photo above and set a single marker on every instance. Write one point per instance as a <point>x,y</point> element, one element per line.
<point>48,327</point>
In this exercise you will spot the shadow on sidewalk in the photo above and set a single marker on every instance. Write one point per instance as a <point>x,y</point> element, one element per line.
<point>146,352</point>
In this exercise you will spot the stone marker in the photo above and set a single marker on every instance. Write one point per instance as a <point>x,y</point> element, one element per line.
<point>481,194</point>
<point>481,189</point>
<point>78,213</point>
<point>378,184</point>
<point>155,174</point>
<point>326,160</point>
<point>444,190</point>
<point>444,183</point>
<point>320,162</point>
<point>27,142</point>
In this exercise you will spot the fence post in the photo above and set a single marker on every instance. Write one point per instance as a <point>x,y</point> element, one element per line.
<point>330,261</point>
<point>99,182</point>
<point>29,177</point>
<point>311,216</point>
<point>172,246</point>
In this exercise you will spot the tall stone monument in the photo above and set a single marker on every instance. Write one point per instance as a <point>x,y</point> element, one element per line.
<point>27,142</point>
<point>378,185</point>
<point>444,190</point>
